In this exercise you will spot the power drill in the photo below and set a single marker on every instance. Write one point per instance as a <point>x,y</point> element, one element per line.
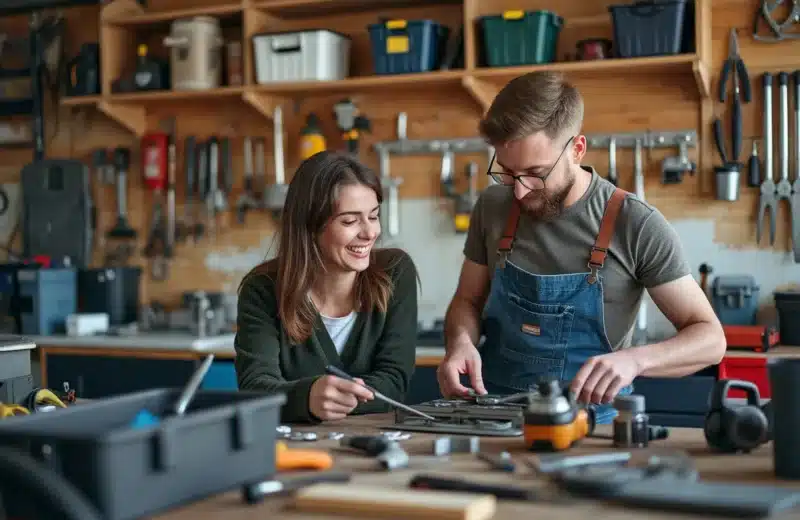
<point>553,419</point>
<point>351,123</point>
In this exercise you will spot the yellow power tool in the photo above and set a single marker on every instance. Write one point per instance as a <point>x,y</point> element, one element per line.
<point>553,420</point>
<point>312,141</point>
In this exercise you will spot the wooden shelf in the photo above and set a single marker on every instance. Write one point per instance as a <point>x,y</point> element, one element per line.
<point>156,96</point>
<point>315,8</point>
<point>361,84</point>
<point>79,101</point>
<point>131,14</point>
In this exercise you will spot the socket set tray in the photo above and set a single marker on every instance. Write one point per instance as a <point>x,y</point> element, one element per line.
<point>485,415</point>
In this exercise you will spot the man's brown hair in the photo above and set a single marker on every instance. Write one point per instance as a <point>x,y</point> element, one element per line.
<point>535,102</point>
<point>310,203</point>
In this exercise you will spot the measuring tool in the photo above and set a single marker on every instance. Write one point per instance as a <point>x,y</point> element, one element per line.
<point>344,375</point>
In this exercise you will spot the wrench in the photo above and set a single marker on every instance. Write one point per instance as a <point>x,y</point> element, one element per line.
<point>794,202</point>
<point>767,197</point>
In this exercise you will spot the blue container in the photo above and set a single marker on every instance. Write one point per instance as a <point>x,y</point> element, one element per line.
<point>735,299</point>
<point>46,298</point>
<point>649,28</point>
<point>404,47</point>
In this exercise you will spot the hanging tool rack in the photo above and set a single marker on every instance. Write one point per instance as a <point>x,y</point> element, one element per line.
<point>402,146</point>
<point>648,140</point>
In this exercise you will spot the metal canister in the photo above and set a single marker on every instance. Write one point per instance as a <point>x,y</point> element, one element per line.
<point>631,425</point>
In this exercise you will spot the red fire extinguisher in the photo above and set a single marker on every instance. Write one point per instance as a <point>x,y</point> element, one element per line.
<point>154,160</point>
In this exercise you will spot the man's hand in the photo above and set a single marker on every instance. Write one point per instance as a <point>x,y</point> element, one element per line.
<point>602,377</point>
<point>332,398</point>
<point>462,359</point>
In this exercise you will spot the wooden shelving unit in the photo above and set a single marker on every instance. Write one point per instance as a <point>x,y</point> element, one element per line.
<point>121,19</point>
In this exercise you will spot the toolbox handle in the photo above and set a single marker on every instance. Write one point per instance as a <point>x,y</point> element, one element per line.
<point>286,44</point>
<point>646,8</point>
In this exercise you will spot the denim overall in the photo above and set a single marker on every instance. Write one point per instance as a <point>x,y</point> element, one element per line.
<point>546,326</point>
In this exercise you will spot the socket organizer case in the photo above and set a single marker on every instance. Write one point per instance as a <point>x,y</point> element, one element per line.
<point>225,441</point>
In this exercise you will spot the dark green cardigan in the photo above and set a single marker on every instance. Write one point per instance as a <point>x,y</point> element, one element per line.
<point>380,349</point>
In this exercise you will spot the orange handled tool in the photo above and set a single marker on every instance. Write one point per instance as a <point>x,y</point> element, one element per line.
<point>289,458</point>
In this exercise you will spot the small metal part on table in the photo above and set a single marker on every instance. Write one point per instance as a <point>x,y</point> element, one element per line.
<point>335,435</point>
<point>499,462</point>
<point>396,435</point>
<point>302,436</point>
<point>447,445</point>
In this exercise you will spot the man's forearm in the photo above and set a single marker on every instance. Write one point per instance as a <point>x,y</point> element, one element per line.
<point>462,323</point>
<point>692,349</point>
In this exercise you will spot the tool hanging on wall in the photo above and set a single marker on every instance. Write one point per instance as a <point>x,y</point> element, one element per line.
<point>351,123</point>
<point>612,161</point>
<point>795,200</point>
<point>674,167</point>
<point>640,333</point>
<point>728,174</point>
<point>776,31</point>
<point>155,160</point>
<point>462,202</point>
<point>754,167</point>
<point>783,188</point>
<point>275,194</point>
<point>215,198</point>
<point>190,222</point>
<point>122,230</point>
<point>312,141</point>
<point>247,200</point>
<point>172,165</point>
<point>766,201</point>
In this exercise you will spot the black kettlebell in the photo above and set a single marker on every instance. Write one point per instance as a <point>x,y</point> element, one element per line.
<point>733,427</point>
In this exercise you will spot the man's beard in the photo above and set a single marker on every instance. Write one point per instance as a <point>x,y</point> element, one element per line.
<point>545,205</point>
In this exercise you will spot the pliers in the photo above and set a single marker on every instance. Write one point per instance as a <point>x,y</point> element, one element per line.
<point>741,85</point>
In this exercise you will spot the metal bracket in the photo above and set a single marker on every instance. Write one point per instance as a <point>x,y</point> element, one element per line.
<point>434,146</point>
<point>669,139</point>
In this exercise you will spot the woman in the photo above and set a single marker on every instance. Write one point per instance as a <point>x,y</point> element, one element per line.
<point>329,297</point>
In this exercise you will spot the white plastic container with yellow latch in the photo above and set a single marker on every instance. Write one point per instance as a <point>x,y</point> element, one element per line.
<point>318,55</point>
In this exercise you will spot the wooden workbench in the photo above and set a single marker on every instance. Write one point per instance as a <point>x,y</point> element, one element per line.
<point>754,467</point>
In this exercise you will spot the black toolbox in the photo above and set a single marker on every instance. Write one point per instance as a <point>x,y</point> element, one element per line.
<point>225,441</point>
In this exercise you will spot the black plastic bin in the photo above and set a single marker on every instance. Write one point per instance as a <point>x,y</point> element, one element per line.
<point>648,28</point>
<point>407,46</point>
<point>225,441</point>
<point>787,303</point>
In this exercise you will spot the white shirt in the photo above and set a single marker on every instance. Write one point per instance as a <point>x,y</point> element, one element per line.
<point>339,329</point>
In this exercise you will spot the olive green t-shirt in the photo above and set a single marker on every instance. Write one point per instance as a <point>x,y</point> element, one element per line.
<point>645,250</point>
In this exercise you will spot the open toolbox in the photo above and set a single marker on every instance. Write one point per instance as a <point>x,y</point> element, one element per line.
<point>758,338</point>
<point>127,470</point>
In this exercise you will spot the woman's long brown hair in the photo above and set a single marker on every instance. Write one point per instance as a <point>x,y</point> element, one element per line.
<point>310,203</point>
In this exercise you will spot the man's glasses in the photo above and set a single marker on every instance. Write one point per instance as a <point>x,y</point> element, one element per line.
<point>532,182</point>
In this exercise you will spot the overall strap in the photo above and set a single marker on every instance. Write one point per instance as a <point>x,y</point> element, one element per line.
<point>506,243</point>
<point>600,249</point>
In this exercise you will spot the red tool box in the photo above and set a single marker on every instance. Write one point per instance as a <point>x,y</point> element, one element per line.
<point>758,338</point>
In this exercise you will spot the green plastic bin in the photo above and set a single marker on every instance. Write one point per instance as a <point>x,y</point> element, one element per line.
<point>521,37</point>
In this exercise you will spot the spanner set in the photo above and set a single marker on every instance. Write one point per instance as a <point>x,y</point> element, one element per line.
<point>772,191</point>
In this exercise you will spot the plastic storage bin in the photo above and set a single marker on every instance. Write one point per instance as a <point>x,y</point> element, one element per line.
<point>407,46</point>
<point>226,440</point>
<point>788,306</point>
<point>521,38</point>
<point>317,55</point>
<point>648,28</point>
<point>735,299</point>
<point>46,298</point>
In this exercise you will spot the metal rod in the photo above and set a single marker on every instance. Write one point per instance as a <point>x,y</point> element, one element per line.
<point>193,385</point>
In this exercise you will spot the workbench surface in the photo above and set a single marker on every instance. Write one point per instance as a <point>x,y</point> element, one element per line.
<point>755,467</point>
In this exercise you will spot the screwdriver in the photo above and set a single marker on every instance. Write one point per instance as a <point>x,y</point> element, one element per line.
<point>344,375</point>
<point>754,168</point>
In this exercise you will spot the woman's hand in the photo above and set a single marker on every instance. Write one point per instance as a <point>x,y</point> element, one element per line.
<point>332,397</point>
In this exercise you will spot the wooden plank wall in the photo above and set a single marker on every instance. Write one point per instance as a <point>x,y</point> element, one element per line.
<point>612,105</point>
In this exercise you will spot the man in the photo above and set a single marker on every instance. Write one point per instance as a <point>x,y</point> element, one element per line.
<point>557,259</point>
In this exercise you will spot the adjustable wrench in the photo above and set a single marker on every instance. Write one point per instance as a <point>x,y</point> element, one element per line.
<point>794,202</point>
<point>767,200</point>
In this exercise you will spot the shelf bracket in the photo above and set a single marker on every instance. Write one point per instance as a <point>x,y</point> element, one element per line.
<point>132,117</point>
<point>264,104</point>
<point>481,91</point>
<point>702,77</point>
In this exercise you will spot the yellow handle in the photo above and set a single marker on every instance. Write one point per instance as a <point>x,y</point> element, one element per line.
<point>289,458</point>
<point>513,15</point>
